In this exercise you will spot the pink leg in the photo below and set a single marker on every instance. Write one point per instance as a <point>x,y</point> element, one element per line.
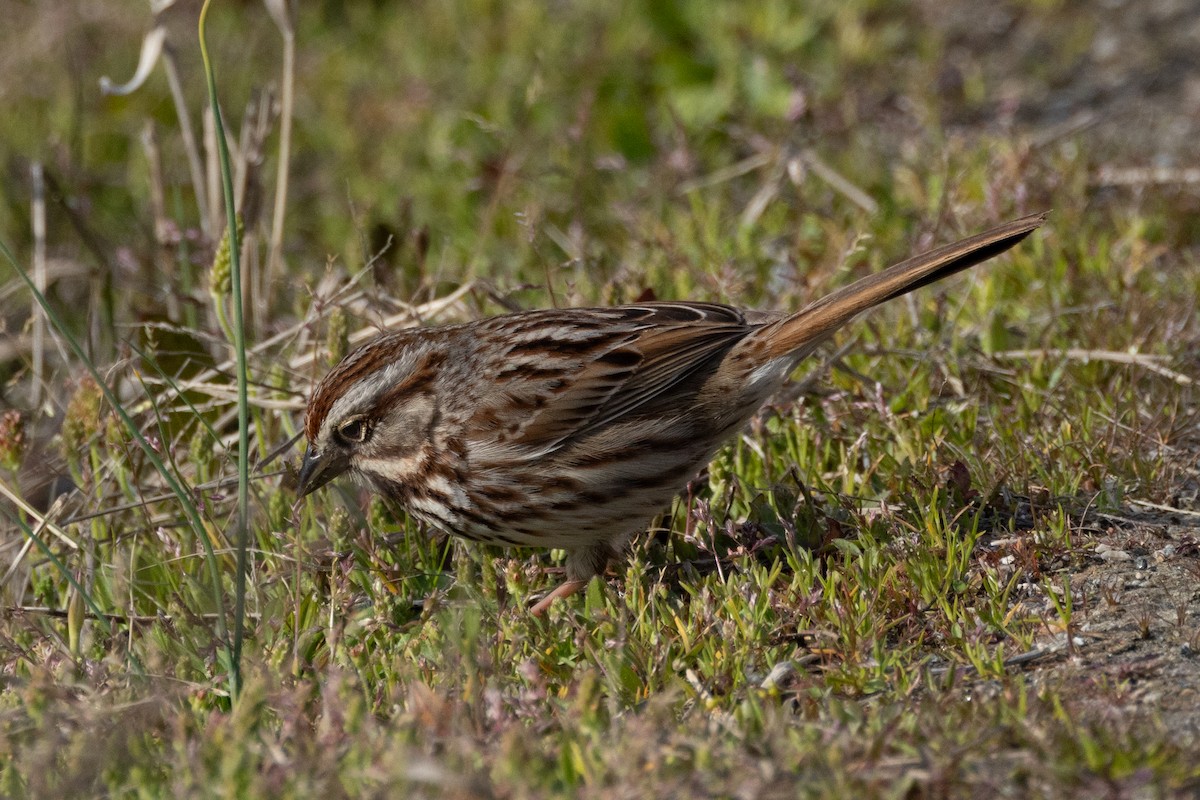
<point>566,589</point>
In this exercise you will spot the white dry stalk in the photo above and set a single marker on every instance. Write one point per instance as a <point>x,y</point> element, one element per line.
<point>155,48</point>
<point>38,213</point>
<point>280,14</point>
<point>203,381</point>
<point>1143,360</point>
<point>43,520</point>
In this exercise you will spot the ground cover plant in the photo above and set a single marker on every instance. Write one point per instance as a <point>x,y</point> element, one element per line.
<point>959,556</point>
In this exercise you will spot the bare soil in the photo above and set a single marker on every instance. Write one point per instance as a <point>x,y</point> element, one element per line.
<point>1119,79</point>
<point>1134,640</point>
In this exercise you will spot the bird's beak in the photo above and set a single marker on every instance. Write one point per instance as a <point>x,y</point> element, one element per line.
<point>319,469</point>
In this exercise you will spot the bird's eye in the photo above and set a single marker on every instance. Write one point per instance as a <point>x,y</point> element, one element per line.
<point>354,430</point>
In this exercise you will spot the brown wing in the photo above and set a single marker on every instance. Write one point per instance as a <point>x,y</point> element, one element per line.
<point>574,371</point>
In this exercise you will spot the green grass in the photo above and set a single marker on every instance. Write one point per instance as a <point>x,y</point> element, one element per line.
<point>831,611</point>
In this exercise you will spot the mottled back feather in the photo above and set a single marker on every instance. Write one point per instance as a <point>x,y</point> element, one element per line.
<point>577,379</point>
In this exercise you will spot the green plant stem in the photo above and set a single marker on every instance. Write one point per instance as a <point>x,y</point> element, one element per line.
<point>239,346</point>
<point>173,483</point>
<point>60,566</point>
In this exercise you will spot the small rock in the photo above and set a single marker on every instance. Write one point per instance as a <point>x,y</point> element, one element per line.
<point>778,675</point>
<point>1112,554</point>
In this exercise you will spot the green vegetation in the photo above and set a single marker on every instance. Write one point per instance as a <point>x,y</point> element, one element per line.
<point>896,583</point>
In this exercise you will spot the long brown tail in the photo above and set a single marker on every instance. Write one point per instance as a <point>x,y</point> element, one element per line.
<point>807,327</point>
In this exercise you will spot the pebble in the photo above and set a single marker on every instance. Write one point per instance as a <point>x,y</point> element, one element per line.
<point>779,674</point>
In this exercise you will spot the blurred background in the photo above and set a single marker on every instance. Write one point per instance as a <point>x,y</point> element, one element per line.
<point>878,587</point>
<point>551,144</point>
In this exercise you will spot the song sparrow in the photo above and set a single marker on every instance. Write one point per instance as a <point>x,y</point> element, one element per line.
<point>573,428</point>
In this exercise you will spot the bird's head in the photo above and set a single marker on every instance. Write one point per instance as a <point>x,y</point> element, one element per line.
<point>372,413</point>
